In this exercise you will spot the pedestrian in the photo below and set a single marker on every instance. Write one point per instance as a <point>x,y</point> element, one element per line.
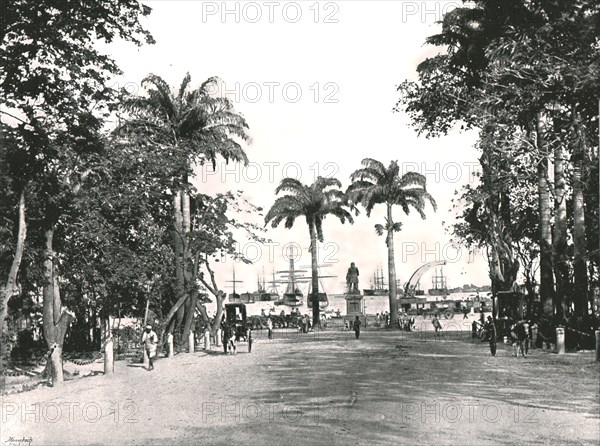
<point>270,327</point>
<point>436,324</point>
<point>356,327</point>
<point>465,312</point>
<point>474,330</point>
<point>150,341</point>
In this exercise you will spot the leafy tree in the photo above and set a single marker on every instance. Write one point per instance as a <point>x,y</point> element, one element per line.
<point>194,128</point>
<point>313,202</point>
<point>536,62</point>
<point>375,184</point>
<point>54,97</point>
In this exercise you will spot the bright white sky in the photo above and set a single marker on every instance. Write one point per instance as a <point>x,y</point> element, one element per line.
<point>318,98</point>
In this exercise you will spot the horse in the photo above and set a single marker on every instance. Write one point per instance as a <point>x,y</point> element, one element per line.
<point>520,336</point>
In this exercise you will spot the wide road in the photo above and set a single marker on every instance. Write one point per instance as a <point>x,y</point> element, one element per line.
<point>388,387</point>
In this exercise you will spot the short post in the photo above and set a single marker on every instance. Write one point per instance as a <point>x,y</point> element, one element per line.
<point>146,359</point>
<point>170,352</point>
<point>206,339</point>
<point>218,339</point>
<point>191,341</point>
<point>560,340</point>
<point>598,345</point>
<point>109,364</point>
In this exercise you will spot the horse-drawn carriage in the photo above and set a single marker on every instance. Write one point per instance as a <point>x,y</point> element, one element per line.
<point>236,325</point>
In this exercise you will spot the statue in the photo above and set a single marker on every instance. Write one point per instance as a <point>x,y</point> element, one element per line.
<point>352,279</point>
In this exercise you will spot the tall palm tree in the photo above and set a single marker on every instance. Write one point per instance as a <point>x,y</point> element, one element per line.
<point>374,184</point>
<point>314,202</point>
<point>195,127</point>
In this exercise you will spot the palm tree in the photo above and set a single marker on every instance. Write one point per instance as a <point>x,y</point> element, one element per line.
<point>314,202</point>
<point>374,184</point>
<point>195,127</point>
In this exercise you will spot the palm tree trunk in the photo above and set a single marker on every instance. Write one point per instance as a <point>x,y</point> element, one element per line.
<point>178,243</point>
<point>7,291</point>
<point>392,269</point>
<point>546,273</point>
<point>579,236</point>
<point>314,295</point>
<point>561,268</point>
<point>190,305</point>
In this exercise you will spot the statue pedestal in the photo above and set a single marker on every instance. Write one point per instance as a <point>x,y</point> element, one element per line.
<point>354,303</point>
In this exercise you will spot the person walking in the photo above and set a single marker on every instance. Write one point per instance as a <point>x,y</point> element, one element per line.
<point>356,327</point>
<point>150,341</point>
<point>270,327</point>
<point>436,324</point>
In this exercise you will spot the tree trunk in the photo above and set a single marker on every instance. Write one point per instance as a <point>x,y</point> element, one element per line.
<point>174,309</point>
<point>178,237</point>
<point>190,309</point>
<point>392,269</point>
<point>7,291</point>
<point>579,236</point>
<point>55,320</point>
<point>220,296</point>
<point>546,273</point>
<point>561,267</point>
<point>314,257</point>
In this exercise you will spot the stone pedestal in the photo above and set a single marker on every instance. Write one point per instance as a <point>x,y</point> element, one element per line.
<point>354,303</point>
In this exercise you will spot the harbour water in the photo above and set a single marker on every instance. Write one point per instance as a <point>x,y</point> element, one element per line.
<point>372,304</point>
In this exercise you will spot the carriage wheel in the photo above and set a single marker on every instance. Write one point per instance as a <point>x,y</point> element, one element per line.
<point>448,314</point>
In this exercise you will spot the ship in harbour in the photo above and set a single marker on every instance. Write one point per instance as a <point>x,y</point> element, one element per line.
<point>292,296</point>
<point>439,284</point>
<point>378,285</point>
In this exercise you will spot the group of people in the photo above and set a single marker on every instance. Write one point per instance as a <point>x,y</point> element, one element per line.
<point>382,318</point>
<point>406,323</point>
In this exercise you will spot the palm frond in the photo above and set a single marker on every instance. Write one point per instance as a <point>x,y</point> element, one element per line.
<point>291,185</point>
<point>184,85</point>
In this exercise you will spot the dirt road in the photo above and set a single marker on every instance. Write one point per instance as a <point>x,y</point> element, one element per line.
<point>389,387</point>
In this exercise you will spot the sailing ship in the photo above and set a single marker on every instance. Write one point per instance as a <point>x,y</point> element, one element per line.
<point>293,296</point>
<point>439,284</point>
<point>322,295</point>
<point>270,295</point>
<point>244,298</point>
<point>378,285</point>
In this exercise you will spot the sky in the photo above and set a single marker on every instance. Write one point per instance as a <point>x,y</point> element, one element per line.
<point>316,82</point>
